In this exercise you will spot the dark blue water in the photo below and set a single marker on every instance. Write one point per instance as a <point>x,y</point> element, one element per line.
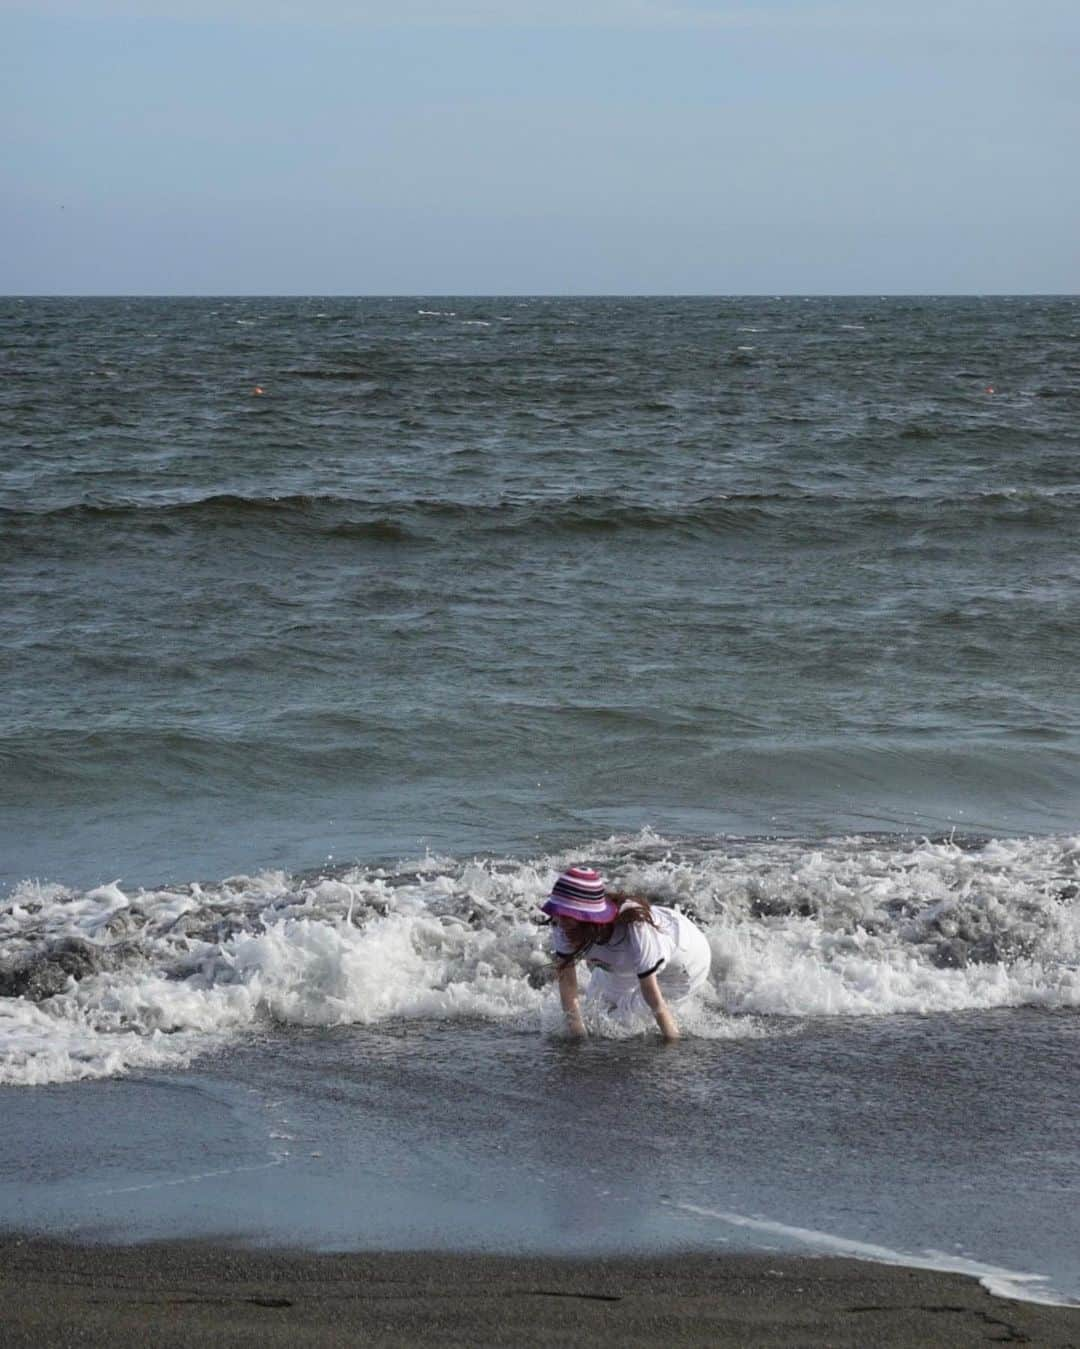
<point>498,574</point>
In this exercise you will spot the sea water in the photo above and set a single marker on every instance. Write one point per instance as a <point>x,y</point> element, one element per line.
<point>334,628</point>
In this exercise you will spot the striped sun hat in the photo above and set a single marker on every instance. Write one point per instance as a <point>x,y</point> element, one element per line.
<point>579,893</point>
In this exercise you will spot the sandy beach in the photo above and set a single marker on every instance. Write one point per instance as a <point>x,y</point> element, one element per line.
<point>198,1293</point>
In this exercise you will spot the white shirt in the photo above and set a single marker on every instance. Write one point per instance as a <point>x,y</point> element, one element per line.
<point>673,950</point>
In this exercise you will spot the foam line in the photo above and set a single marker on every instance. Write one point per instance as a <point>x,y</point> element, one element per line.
<point>1006,1283</point>
<point>276,1159</point>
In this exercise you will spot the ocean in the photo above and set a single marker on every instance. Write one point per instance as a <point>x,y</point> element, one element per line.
<point>333,628</point>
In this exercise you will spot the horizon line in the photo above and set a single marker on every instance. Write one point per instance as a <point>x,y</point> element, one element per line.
<point>542,295</point>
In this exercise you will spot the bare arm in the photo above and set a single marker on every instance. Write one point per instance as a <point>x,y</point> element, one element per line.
<point>568,996</point>
<point>650,991</point>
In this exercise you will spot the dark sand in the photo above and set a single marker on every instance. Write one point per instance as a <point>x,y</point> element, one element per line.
<point>195,1294</point>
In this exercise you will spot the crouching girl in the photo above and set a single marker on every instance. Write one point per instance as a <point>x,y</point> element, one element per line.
<point>642,956</point>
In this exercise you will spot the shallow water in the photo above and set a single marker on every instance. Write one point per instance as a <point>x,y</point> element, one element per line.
<point>947,1140</point>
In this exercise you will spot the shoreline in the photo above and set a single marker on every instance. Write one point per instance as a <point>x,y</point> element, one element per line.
<point>203,1292</point>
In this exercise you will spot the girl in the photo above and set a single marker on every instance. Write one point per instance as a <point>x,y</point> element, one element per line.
<point>637,951</point>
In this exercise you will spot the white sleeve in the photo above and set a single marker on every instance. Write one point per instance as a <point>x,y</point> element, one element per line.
<point>648,948</point>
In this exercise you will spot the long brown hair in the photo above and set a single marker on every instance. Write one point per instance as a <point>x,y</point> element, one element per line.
<point>632,909</point>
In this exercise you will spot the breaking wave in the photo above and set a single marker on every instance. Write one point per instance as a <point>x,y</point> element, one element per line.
<point>99,982</point>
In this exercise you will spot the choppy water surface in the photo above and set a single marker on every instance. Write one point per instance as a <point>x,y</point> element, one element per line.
<point>333,628</point>
<point>472,573</point>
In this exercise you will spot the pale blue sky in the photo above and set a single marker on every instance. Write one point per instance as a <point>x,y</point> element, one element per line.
<point>572,146</point>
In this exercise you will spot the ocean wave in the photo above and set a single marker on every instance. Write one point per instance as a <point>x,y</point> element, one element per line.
<point>63,763</point>
<point>417,520</point>
<point>101,981</point>
<point>804,514</point>
<point>130,509</point>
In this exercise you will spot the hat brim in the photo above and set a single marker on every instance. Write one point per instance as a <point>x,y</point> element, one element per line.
<point>557,907</point>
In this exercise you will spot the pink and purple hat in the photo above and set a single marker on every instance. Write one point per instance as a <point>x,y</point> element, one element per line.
<point>579,893</point>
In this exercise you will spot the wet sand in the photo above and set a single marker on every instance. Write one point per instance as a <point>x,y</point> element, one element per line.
<point>192,1293</point>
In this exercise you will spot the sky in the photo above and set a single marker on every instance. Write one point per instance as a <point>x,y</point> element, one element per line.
<point>432,147</point>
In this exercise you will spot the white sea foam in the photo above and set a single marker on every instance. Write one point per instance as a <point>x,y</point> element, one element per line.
<point>54,1043</point>
<point>1001,1282</point>
<point>113,978</point>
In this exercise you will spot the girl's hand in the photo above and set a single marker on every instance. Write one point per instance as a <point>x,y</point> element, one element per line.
<point>650,991</point>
